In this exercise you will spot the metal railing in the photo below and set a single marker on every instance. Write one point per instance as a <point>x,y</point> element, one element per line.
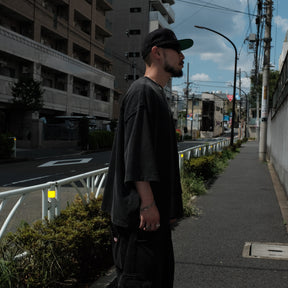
<point>82,185</point>
<point>202,150</point>
<point>281,89</point>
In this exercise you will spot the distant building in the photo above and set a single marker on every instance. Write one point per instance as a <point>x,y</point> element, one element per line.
<point>131,22</point>
<point>206,115</point>
<point>60,43</point>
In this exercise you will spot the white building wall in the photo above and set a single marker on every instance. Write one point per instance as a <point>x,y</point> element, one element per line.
<point>37,53</point>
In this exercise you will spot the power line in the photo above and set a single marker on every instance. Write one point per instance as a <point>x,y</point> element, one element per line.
<point>215,6</point>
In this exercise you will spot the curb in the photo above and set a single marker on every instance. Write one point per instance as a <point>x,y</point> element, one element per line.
<point>105,280</point>
<point>280,194</point>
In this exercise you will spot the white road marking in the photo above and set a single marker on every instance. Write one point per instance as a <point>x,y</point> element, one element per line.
<point>66,162</point>
<point>26,180</point>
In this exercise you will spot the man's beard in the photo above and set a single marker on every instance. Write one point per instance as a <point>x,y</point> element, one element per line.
<point>174,72</point>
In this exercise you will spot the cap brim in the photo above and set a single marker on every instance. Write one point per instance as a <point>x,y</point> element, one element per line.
<point>185,43</point>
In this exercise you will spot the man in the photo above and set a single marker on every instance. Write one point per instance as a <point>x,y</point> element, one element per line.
<point>143,191</point>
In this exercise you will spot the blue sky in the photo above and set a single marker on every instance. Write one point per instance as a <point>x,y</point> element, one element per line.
<point>211,59</point>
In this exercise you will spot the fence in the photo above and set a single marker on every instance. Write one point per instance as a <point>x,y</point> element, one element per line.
<point>51,193</point>
<point>202,150</point>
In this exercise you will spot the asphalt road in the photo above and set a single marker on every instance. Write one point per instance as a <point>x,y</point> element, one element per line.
<point>41,166</point>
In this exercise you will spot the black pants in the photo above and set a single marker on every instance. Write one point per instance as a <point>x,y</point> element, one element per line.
<point>154,259</point>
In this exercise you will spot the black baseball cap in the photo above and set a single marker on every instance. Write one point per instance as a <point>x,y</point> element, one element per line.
<point>164,38</point>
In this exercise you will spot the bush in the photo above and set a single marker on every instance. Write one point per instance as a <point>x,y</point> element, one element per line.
<point>198,173</point>
<point>100,139</point>
<point>202,167</point>
<point>178,135</point>
<point>6,146</point>
<point>72,249</point>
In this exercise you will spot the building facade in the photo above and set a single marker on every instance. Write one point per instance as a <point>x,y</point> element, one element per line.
<point>61,44</point>
<point>205,115</point>
<point>132,21</point>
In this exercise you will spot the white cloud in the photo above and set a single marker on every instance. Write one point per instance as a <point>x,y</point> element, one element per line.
<point>281,22</point>
<point>245,83</point>
<point>211,56</point>
<point>200,77</point>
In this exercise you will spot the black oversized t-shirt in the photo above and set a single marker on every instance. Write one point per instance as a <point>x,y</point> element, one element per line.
<point>144,149</point>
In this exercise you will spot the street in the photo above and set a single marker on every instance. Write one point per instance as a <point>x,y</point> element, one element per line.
<point>51,168</point>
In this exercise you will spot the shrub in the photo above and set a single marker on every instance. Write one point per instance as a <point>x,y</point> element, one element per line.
<point>198,172</point>
<point>73,248</point>
<point>100,139</point>
<point>202,167</point>
<point>6,146</point>
<point>178,135</point>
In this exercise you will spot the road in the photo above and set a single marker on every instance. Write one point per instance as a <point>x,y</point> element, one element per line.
<point>44,167</point>
<point>52,168</point>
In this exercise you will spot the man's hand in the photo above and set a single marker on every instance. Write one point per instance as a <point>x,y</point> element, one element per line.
<point>149,214</point>
<point>149,219</point>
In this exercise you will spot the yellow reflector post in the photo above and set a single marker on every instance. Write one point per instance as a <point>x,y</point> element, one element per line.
<point>51,193</point>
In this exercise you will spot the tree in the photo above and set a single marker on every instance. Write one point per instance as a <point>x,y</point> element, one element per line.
<point>273,78</point>
<point>27,94</point>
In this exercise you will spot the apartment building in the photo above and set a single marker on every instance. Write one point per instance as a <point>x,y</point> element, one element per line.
<point>60,43</point>
<point>205,114</point>
<point>132,20</point>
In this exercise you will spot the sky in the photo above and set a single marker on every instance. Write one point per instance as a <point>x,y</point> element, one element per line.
<point>211,59</point>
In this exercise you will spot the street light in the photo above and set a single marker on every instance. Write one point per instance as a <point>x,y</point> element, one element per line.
<point>234,86</point>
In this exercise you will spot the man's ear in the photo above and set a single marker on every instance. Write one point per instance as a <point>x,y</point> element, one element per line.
<point>155,51</point>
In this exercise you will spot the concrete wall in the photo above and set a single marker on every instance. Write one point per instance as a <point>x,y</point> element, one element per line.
<point>277,143</point>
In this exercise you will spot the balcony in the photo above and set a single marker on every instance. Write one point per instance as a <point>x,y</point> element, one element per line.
<point>157,17</point>
<point>171,2</point>
<point>82,23</point>
<point>104,5</point>
<point>101,33</point>
<point>165,9</point>
<point>26,52</point>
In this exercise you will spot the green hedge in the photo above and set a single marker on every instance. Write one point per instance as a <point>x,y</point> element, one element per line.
<point>197,173</point>
<point>100,139</point>
<point>6,146</point>
<point>72,249</point>
<point>76,246</point>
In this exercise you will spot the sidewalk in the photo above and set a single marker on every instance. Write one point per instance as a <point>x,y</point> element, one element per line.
<point>240,207</point>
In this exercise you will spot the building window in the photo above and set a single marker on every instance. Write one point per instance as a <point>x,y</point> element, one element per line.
<point>134,32</point>
<point>101,93</point>
<point>53,78</point>
<point>135,10</point>
<point>80,87</point>
<point>132,54</point>
<point>82,23</point>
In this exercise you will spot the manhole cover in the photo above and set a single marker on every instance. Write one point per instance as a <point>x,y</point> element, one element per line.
<point>277,251</point>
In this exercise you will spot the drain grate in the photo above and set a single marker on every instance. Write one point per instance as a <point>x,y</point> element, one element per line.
<point>277,251</point>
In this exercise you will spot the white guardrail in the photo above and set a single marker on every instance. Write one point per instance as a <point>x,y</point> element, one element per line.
<point>51,193</point>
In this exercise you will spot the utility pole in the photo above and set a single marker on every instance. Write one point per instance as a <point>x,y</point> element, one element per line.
<point>240,122</point>
<point>187,93</point>
<point>187,96</point>
<point>258,23</point>
<point>265,86</point>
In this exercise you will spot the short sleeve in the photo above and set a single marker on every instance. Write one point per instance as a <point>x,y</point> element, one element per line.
<point>139,151</point>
